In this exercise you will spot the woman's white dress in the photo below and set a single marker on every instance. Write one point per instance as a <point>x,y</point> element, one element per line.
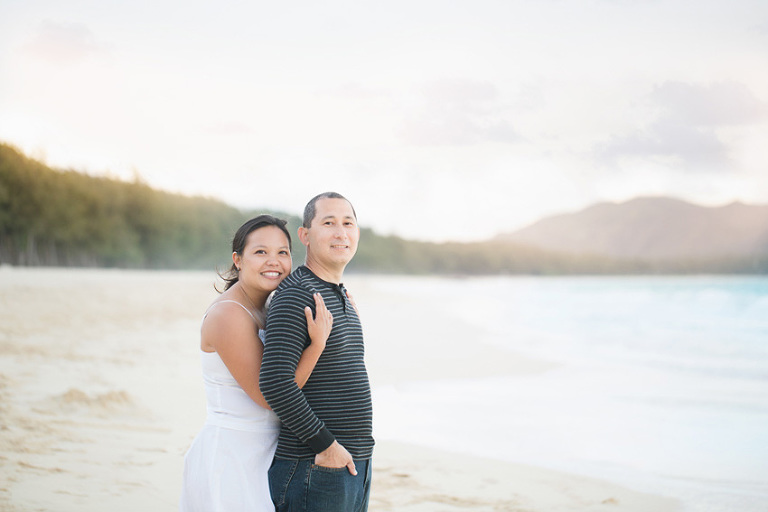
<point>225,469</point>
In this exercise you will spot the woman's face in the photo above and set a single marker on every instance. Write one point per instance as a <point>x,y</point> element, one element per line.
<point>266,258</point>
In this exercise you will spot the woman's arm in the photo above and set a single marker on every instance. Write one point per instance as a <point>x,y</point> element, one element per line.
<point>319,329</point>
<point>230,332</point>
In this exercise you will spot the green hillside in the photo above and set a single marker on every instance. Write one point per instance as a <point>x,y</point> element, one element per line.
<point>65,218</point>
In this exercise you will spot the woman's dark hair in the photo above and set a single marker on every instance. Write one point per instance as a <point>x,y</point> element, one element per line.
<point>232,275</point>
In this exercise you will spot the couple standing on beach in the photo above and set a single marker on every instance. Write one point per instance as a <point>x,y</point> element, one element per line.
<point>289,425</point>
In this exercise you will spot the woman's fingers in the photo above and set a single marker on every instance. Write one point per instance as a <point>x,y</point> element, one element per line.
<point>322,312</point>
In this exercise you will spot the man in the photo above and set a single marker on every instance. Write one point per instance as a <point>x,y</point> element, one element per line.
<point>323,458</point>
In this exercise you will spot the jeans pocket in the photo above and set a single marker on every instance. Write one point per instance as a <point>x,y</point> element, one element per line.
<point>325,469</point>
<point>330,489</point>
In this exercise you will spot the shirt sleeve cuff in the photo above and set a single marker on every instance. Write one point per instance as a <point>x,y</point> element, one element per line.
<point>321,441</point>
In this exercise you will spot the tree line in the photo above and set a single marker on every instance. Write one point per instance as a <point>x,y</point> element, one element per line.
<point>66,218</point>
<point>56,217</point>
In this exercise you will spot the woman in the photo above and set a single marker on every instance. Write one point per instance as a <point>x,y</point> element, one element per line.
<point>226,466</point>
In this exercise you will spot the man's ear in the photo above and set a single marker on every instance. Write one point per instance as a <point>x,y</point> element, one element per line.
<point>304,236</point>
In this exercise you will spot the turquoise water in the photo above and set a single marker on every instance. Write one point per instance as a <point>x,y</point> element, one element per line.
<point>661,383</point>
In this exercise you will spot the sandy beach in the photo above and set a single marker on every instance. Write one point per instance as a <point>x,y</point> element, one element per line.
<point>100,396</point>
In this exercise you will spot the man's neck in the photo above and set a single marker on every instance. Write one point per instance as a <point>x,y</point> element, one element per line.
<point>324,273</point>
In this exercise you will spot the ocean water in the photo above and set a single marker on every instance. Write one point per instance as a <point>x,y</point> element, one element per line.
<point>661,383</point>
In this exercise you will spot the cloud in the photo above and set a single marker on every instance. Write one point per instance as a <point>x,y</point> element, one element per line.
<point>684,130</point>
<point>717,104</point>
<point>761,28</point>
<point>693,147</point>
<point>62,43</point>
<point>455,113</point>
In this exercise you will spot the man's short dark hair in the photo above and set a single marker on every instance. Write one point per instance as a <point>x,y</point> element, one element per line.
<point>311,210</point>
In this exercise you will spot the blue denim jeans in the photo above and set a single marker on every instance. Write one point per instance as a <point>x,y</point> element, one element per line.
<point>301,486</point>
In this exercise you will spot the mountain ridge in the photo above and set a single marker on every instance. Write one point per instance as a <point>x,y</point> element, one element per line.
<point>652,228</point>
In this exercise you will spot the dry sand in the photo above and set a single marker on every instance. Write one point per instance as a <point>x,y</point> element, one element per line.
<point>100,396</point>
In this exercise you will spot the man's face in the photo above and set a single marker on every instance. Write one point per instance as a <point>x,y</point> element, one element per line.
<point>333,235</point>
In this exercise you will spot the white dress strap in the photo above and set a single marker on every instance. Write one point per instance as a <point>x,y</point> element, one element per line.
<point>229,300</point>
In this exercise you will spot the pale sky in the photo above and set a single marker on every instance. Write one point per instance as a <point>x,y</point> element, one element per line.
<point>440,120</point>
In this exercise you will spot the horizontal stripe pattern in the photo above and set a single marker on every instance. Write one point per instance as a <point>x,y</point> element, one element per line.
<point>336,400</point>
